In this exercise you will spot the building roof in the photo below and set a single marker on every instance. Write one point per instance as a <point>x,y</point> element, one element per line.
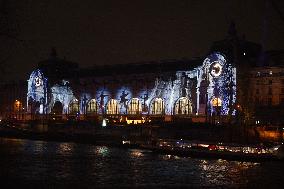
<point>55,68</point>
<point>142,67</point>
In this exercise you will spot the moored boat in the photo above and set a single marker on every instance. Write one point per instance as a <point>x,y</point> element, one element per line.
<point>230,151</point>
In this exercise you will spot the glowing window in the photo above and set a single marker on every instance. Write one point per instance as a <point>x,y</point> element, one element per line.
<point>112,107</point>
<point>74,107</point>
<point>92,106</point>
<point>134,106</point>
<point>216,102</point>
<point>157,106</point>
<point>183,106</point>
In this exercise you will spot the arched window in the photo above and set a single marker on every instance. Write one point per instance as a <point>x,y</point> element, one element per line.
<point>73,107</point>
<point>92,106</point>
<point>112,107</point>
<point>134,106</point>
<point>183,106</point>
<point>216,102</point>
<point>157,107</point>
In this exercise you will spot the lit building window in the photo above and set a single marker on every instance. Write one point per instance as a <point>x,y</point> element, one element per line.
<point>183,106</point>
<point>74,107</point>
<point>112,107</point>
<point>216,102</point>
<point>92,106</point>
<point>157,106</point>
<point>134,106</point>
<point>270,72</point>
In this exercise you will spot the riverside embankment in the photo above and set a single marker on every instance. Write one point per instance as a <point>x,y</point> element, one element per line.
<point>114,134</point>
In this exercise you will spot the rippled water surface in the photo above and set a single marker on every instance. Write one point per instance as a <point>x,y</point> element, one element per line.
<point>42,164</point>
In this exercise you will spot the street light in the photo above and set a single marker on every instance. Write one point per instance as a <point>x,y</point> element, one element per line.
<point>17,107</point>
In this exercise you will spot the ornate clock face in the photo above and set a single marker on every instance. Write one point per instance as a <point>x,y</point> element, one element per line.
<point>215,69</point>
<point>38,81</point>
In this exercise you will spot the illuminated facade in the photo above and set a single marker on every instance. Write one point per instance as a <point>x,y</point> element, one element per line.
<point>209,88</point>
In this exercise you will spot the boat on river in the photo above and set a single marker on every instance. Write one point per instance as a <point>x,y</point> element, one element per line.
<point>229,151</point>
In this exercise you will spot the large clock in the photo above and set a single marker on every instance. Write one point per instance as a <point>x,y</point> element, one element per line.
<point>215,69</point>
<point>38,81</point>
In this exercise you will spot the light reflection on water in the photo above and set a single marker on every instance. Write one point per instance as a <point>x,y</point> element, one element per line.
<point>135,153</point>
<point>89,165</point>
<point>102,150</point>
<point>65,148</point>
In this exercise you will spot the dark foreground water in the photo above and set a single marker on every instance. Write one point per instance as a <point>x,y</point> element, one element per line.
<point>40,164</point>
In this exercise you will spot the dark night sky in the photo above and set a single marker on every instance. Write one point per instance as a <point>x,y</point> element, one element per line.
<point>93,32</point>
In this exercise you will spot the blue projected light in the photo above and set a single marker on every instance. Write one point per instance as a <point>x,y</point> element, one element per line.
<point>143,97</point>
<point>123,96</point>
<point>211,85</point>
<point>221,79</point>
<point>37,92</point>
<point>102,96</point>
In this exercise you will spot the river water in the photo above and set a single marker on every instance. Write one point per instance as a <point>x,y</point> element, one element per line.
<point>42,164</point>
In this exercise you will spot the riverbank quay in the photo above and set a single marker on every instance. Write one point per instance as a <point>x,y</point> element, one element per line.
<point>118,132</point>
<point>143,137</point>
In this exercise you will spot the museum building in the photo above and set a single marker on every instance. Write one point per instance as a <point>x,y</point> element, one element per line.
<point>183,88</point>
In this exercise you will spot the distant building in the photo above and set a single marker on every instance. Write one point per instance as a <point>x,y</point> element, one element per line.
<point>176,88</point>
<point>235,80</point>
<point>267,89</point>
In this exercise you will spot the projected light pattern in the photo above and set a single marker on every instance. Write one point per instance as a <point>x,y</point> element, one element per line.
<point>37,92</point>
<point>102,96</point>
<point>63,94</point>
<point>84,99</point>
<point>123,96</point>
<point>190,92</point>
<point>220,78</point>
<point>143,97</point>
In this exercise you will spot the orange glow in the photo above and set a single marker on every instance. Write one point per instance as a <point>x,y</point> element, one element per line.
<point>17,105</point>
<point>135,121</point>
<point>217,102</point>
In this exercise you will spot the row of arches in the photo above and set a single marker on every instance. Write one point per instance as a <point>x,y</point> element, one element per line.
<point>134,106</point>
